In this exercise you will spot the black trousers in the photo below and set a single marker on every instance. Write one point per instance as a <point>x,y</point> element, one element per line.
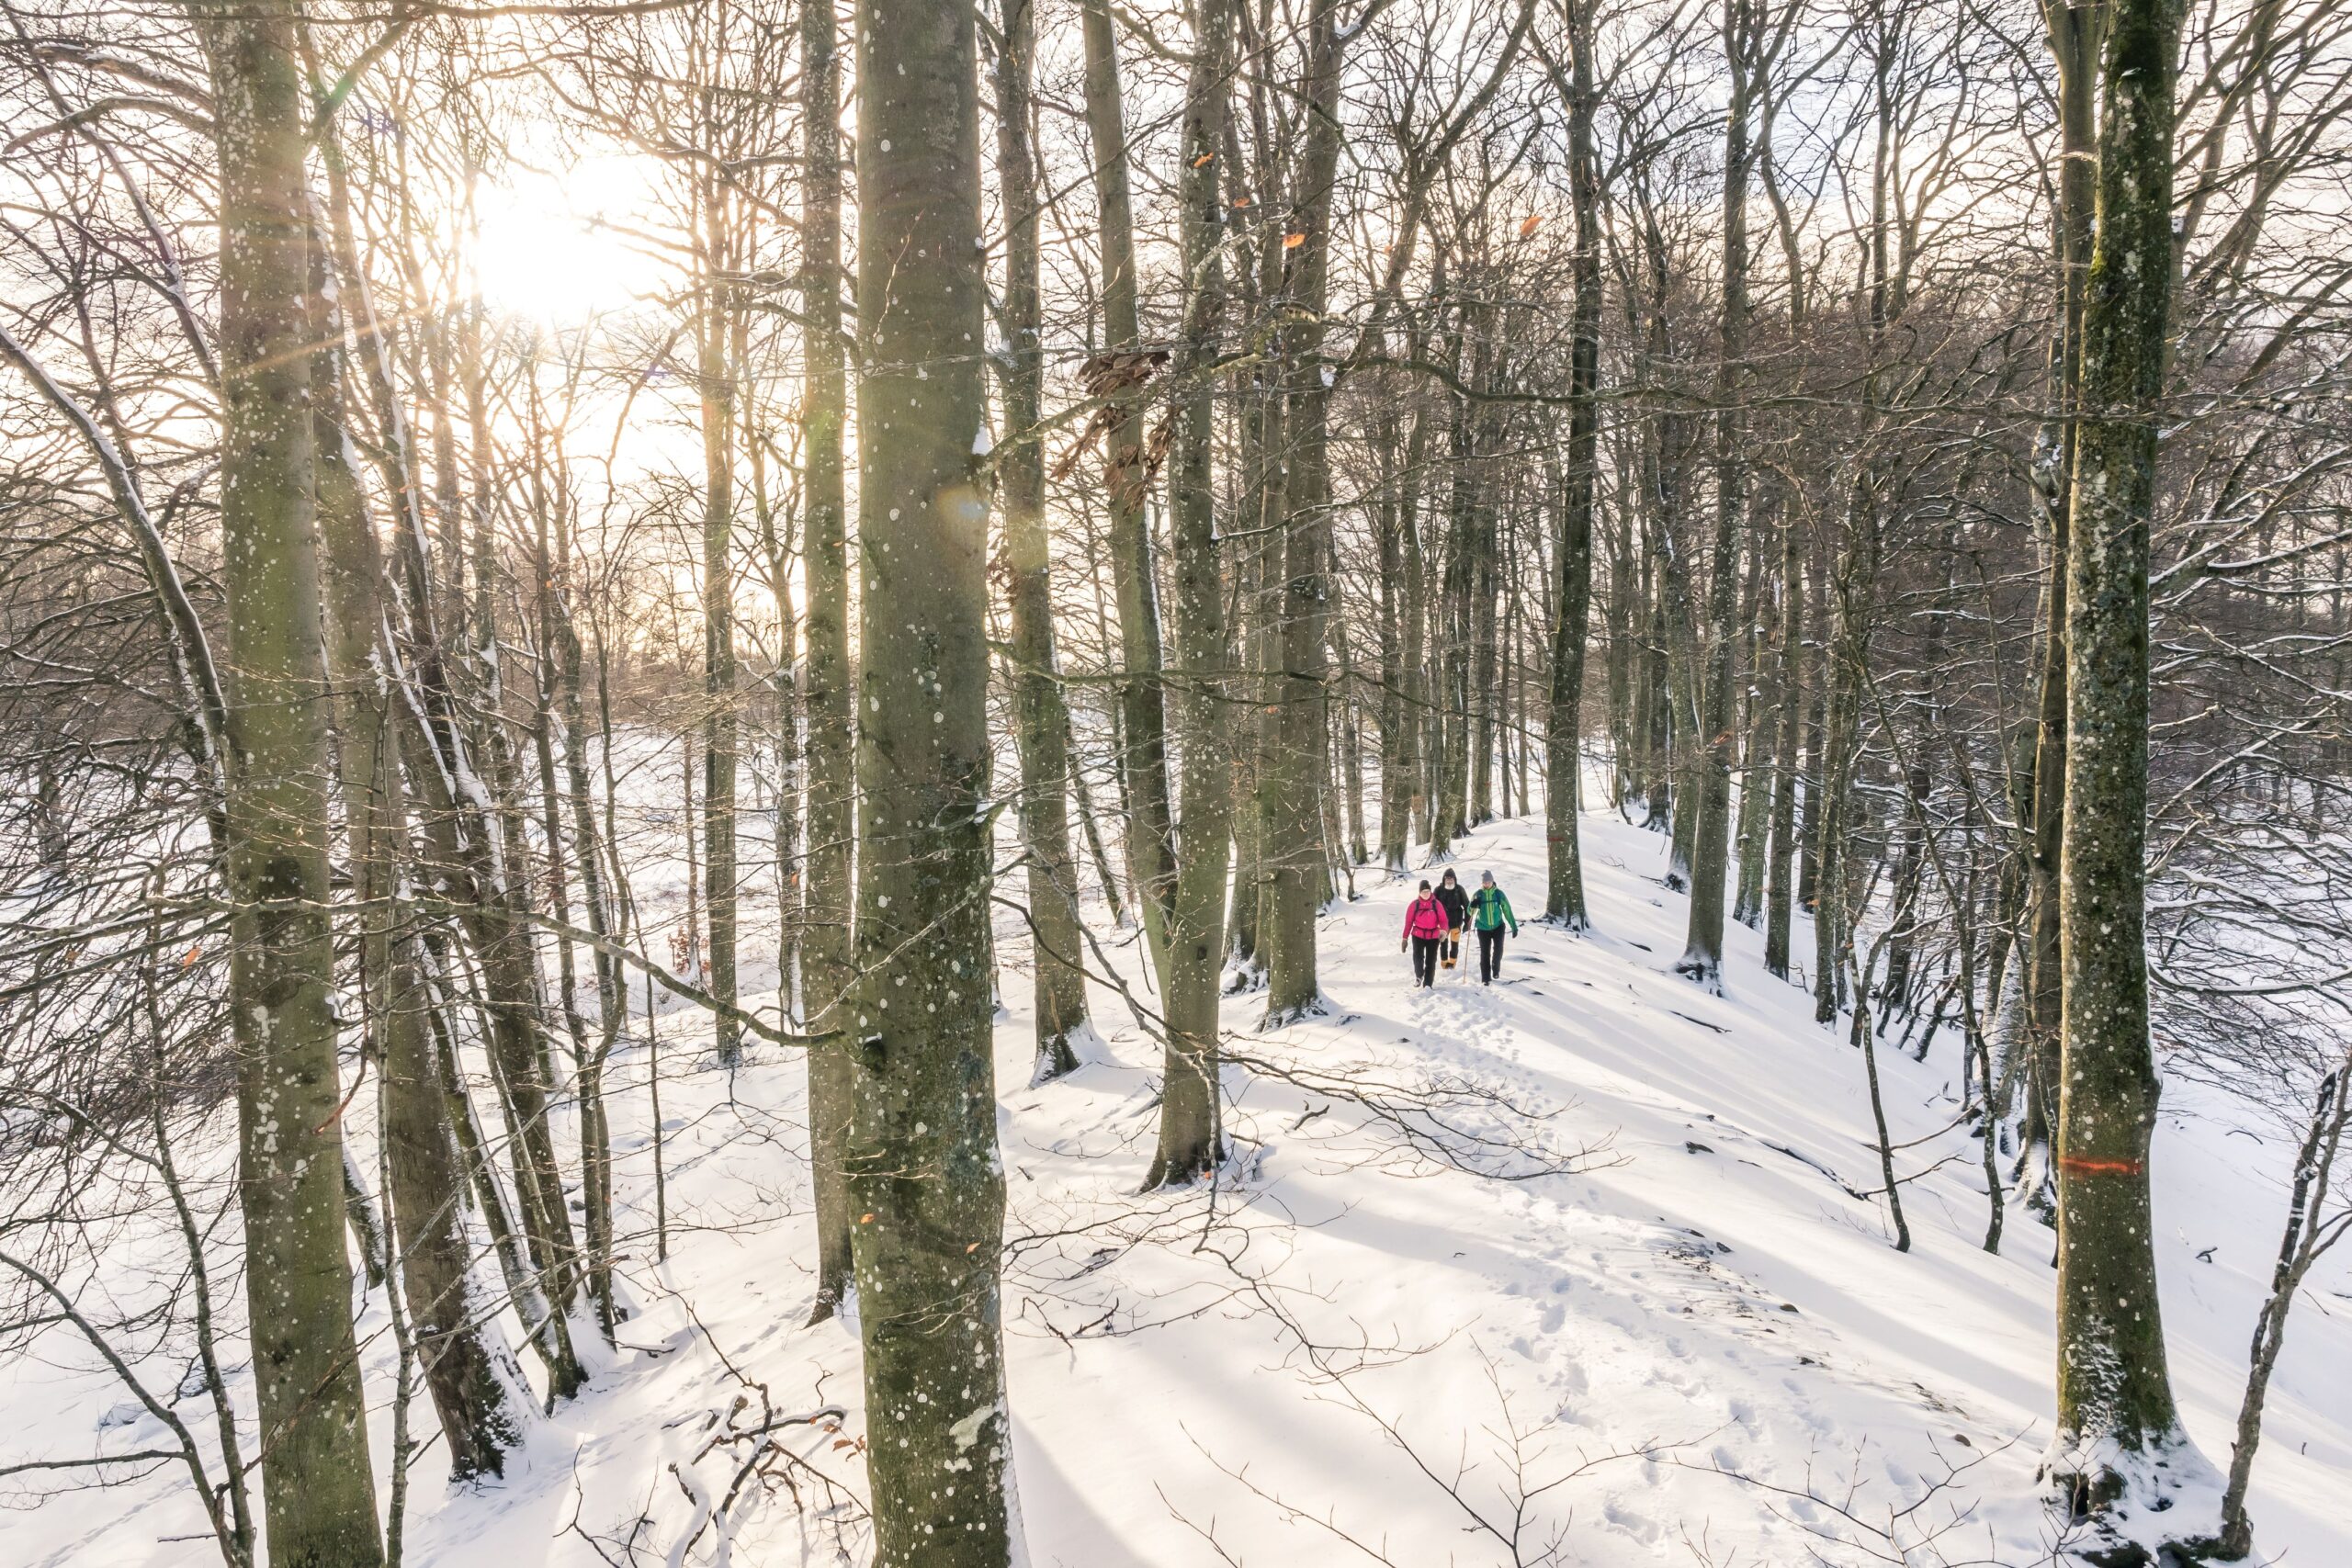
<point>1490,956</point>
<point>1425,959</point>
<point>1452,945</point>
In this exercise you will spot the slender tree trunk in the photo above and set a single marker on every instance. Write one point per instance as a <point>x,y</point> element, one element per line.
<point>1418,693</point>
<point>1843,664</point>
<point>826,671</point>
<point>471,1378</point>
<point>1397,720</point>
<point>1293,832</point>
<point>1678,670</point>
<point>923,1166</point>
<point>1260,423</point>
<point>1126,475</point>
<point>1778,911</point>
<point>1702,953</point>
<point>2309,1233</point>
<point>783,841</point>
<point>2118,1434</point>
<point>1191,1134</point>
<point>1817,729</point>
<point>318,1488</point>
<point>1345,718</point>
<point>1042,723</point>
<point>1563,727</point>
<point>1756,768</point>
<point>715,371</point>
<point>1104,872</point>
<point>612,994</point>
<point>1485,685</point>
<point>2074,34</point>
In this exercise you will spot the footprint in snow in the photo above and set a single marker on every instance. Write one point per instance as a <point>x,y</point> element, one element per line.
<point>1640,1526</point>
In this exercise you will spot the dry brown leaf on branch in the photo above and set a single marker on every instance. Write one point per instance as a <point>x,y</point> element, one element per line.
<point>1108,377</point>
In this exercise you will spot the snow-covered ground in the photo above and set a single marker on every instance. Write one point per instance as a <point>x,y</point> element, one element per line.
<point>1582,1279</point>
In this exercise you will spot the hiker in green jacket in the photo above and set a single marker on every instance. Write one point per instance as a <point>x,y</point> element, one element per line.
<point>1489,913</point>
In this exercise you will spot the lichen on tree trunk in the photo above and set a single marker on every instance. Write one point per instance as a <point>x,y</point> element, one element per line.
<point>927,1184</point>
<point>318,1488</point>
<point>2119,1448</point>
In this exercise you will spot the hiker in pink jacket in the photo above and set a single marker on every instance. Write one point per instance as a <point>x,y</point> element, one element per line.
<point>1425,928</point>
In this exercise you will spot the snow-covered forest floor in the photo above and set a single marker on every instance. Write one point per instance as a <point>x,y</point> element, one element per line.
<point>1568,1271</point>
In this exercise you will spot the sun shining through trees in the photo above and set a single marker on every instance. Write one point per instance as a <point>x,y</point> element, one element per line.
<point>715,716</point>
<point>556,247</point>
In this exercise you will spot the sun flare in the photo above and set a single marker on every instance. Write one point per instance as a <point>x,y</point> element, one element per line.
<point>554,247</point>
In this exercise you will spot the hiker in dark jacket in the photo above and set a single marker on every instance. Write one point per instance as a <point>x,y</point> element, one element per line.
<point>1489,912</point>
<point>1424,934</point>
<point>1455,901</point>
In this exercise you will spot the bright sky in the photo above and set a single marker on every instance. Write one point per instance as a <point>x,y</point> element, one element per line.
<point>543,252</point>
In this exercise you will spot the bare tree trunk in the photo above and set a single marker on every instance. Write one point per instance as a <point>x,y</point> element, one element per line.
<point>2074,34</point>
<point>716,370</point>
<point>1564,727</point>
<point>1413,713</point>
<point>923,1165</point>
<point>1702,953</point>
<point>470,1377</point>
<point>1042,723</point>
<point>1191,1131</point>
<point>1816,727</point>
<point>1127,481</point>
<point>2119,1438</point>
<point>1398,720</point>
<point>318,1488</point>
<point>1293,836</point>
<point>1756,746</point>
<point>1779,912</point>
<point>2310,1231</point>
<point>826,671</point>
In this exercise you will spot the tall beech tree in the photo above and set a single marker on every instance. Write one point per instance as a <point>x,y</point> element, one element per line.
<point>1703,952</point>
<point>1191,1131</point>
<point>922,1163</point>
<point>1292,824</point>
<point>318,1488</point>
<point>2118,1453</point>
<point>1564,727</point>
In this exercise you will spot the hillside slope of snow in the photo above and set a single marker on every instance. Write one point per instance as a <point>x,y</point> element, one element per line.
<point>1570,1270</point>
